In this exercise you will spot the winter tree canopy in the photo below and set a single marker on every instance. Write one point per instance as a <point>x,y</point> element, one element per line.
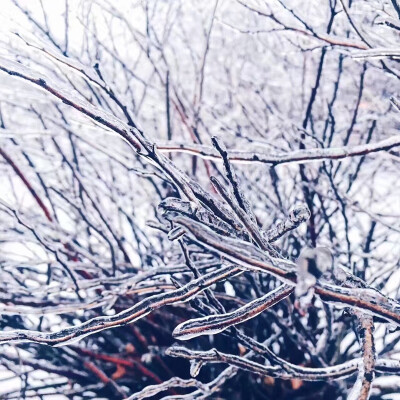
<point>199,199</point>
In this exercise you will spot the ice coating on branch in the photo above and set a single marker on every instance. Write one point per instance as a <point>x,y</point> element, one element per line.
<point>173,204</point>
<point>73,334</point>
<point>87,188</point>
<point>297,216</point>
<point>214,324</point>
<point>176,233</point>
<point>195,367</point>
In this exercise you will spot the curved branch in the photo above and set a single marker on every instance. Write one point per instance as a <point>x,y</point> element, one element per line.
<point>138,311</point>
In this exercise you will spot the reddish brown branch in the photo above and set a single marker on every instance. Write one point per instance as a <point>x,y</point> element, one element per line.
<point>27,184</point>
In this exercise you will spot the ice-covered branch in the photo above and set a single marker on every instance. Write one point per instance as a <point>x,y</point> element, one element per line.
<point>339,371</point>
<point>251,258</point>
<point>108,120</point>
<point>299,156</point>
<point>214,324</point>
<point>140,310</point>
<point>362,387</point>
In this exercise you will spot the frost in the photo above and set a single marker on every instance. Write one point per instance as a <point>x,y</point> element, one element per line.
<point>252,199</point>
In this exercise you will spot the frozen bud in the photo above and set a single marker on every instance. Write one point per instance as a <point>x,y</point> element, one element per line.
<point>195,367</point>
<point>299,214</point>
<point>340,274</point>
<point>147,358</point>
<point>315,261</point>
<point>311,265</point>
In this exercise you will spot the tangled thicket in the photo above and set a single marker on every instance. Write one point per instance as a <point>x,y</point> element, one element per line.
<point>199,199</point>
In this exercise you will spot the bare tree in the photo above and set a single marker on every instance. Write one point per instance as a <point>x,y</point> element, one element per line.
<point>199,199</point>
